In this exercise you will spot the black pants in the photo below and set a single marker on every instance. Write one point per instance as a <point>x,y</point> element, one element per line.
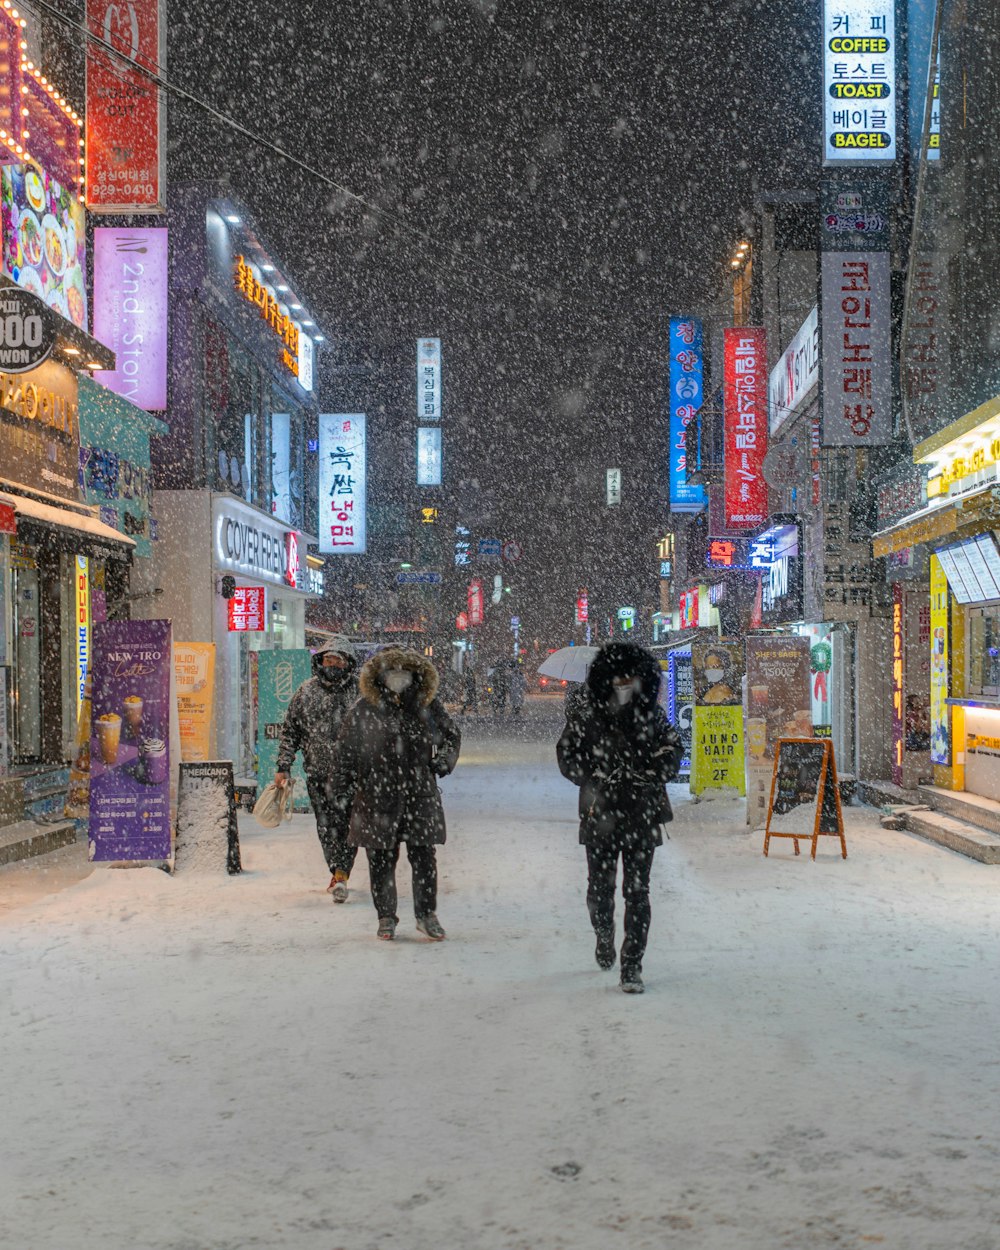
<point>602,869</point>
<point>382,870</point>
<point>331,828</point>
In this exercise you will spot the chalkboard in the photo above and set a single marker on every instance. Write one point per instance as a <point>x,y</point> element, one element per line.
<point>799,771</point>
<point>208,837</point>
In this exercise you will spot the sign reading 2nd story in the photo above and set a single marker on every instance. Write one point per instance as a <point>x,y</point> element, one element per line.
<point>859,81</point>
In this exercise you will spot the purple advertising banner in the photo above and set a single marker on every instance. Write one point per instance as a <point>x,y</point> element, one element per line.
<point>130,312</point>
<point>130,741</point>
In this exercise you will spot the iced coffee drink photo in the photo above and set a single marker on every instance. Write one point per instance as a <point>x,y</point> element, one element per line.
<point>133,713</point>
<point>109,733</point>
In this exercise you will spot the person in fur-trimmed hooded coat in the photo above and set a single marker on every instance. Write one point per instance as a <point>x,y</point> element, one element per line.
<point>393,746</point>
<point>619,748</point>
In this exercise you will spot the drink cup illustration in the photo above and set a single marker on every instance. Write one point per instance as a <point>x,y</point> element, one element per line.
<point>757,736</point>
<point>109,733</point>
<point>758,698</point>
<point>154,753</point>
<point>133,713</point>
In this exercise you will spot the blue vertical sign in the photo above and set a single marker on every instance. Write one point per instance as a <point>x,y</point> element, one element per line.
<point>686,389</point>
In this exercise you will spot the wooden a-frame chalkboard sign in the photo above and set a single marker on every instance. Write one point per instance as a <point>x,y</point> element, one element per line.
<point>805,796</point>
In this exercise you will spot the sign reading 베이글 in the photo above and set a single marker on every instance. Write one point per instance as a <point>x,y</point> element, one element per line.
<point>859,81</point>
<point>342,483</point>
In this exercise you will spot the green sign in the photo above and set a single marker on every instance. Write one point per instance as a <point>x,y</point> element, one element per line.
<point>279,675</point>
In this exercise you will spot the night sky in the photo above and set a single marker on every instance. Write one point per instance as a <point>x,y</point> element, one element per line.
<point>592,162</point>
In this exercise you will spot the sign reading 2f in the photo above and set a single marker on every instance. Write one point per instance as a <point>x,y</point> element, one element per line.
<point>859,81</point>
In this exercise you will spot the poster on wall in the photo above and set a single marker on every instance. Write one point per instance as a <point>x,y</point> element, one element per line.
<point>746,422</point>
<point>717,751</point>
<point>778,697</point>
<point>130,741</point>
<point>940,717</point>
<point>279,675</point>
<point>686,381</point>
<point>126,130</point>
<point>194,673</point>
<point>44,240</point>
<point>130,312</point>
<point>342,483</point>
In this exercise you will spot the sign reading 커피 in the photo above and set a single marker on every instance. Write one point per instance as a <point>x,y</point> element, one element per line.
<point>342,483</point>
<point>859,81</point>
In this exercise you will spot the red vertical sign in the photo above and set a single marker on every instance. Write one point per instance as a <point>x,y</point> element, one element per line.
<point>475,603</point>
<point>745,408</point>
<point>125,122</point>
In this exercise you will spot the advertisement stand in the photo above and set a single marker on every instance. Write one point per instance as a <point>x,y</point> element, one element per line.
<point>208,835</point>
<point>805,794</point>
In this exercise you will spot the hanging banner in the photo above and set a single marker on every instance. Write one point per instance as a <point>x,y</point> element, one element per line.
<point>898,683</point>
<point>792,380</point>
<point>130,758</point>
<point>717,753</point>
<point>686,394</point>
<point>859,81</point>
<point>130,312</point>
<point>745,410</point>
<point>81,581</point>
<point>940,718</point>
<point>343,483</point>
<point>857,360</point>
<point>194,673</point>
<point>279,675</point>
<point>126,122</point>
<point>429,379</point>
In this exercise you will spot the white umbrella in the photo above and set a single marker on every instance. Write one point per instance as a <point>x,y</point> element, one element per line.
<point>569,663</point>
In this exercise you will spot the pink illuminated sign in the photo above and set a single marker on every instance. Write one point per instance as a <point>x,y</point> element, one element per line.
<point>130,312</point>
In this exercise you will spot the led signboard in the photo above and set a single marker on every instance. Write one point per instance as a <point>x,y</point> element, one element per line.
<point>859,81</point>
<point>745,403</point>
<point>342,483</point>
<point>796,374</point>
<point>130,312</point>
<point>429,455</point>
<point>686,391</point>
<point>857,355</point>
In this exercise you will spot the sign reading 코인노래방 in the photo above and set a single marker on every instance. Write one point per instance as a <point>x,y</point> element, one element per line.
<point>130,312</point>
<point>342,483</point>
<point>859,81</point>
<point>857,357</point>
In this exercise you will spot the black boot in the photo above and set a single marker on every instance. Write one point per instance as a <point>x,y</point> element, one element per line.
<point>632,979</point>
<point>604,952</point>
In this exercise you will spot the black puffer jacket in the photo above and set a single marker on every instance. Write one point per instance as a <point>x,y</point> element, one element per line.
<point>390,753</point>
<point>315,713</point>
<point>620,756</point>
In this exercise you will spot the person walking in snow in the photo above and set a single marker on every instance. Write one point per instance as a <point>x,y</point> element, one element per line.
<point>619,748</point>
<point>518,689</point>
<point>311,725</point>
<point>394,744</point>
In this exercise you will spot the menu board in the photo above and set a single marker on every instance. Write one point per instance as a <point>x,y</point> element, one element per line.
<point>973,569</point>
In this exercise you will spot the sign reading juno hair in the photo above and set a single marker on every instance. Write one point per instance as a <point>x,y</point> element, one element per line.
<point>429,379</point>
<point>126,125</point>
<point>342,483</point>
<point>796,373</point>
<point>686,391</point>
<point>130,312</point>
<point>857,359</point>
<point>859,81</point>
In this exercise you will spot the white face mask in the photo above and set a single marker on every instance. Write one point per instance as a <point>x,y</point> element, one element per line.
<point>624,693</point>
<point>714,674</point>
<point>398,680</point>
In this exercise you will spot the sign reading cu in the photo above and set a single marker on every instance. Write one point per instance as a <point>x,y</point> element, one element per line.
<point>26,335</point>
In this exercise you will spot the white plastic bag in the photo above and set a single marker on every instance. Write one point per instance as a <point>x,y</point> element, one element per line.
<point>274,804</point>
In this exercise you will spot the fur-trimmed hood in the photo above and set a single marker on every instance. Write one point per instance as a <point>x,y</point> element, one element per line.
<point>624,659</point>
<point>371,683</point>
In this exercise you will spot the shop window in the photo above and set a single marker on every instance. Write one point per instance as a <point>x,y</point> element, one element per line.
<point>984,651</point>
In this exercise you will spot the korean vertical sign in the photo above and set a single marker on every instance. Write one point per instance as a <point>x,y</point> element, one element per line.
<point>429,379</point>
<point>745,412</point>
<point>686,391</point>
<point>126,123</point>
<point>859,81</point>
<point>342,483</point>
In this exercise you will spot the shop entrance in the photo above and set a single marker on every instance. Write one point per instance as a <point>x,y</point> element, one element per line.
<point>26,670</point>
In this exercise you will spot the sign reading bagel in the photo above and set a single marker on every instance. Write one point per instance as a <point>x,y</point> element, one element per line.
<point>859,81</point>
<point>248,542</point>
<point>27,335</point>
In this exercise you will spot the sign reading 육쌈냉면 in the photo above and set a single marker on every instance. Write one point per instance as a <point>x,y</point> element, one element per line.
<point>429,379</point>
<point>859,81</point>
<point>686,392</point>
<point>342,483</point>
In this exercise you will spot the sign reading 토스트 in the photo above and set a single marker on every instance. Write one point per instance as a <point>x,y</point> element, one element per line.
<point>745,406</point>
<point>857,361</point>
<point>859,81</point>
<point>27,335</point>
<point>130,312</point>
<point>342,483</point>
<point>126,124</point>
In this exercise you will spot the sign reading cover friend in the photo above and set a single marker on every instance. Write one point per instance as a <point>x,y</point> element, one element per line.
<point>805,795</point>
<point>279,675</point>
<point>130,741</point>
<point>717,751</point>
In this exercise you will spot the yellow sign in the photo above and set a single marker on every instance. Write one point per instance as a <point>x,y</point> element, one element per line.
<point>962,462</point>
<point>940,724</point>
<point>194,675</point>
<point>82,594</point>
<point>283,326</point>
<point>717,750</point>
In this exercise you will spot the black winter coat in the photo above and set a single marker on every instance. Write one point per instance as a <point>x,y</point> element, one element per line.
<point>390,753</point>
<point>620,757</point>
<point>314,717</point>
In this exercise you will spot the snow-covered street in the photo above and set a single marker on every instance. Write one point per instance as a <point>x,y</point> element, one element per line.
<point>206,1063</point>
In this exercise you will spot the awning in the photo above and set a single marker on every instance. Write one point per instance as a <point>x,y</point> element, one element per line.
<point>939,520</point>
<point>65,518</point>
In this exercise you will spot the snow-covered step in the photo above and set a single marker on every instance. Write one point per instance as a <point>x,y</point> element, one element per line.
<point>27,838</point>
<point>956,835</point>
<point>971,808</point>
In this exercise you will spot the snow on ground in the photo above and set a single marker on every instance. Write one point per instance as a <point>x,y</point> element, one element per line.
<point>215,1063</point>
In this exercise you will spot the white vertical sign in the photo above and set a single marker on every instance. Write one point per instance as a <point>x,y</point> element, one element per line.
<point>614,483</point>
<point>305,361</point>
<point>429,379</point>
<point>857,359</point>
<point>342,483</point>
<point>429,455</point>
<point>859,81</point>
